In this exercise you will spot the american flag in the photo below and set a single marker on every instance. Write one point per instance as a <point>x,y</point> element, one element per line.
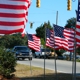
<point>69,35</point>
<point>78,23</point>
<point>13,15</point>
<point>34,42</point>
<point>59,37</point>
<point>63,38</point>
<point>50,39</point>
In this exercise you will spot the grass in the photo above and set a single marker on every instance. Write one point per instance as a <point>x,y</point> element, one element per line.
<point>24,72</point>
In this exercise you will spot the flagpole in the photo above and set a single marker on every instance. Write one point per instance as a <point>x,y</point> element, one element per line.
<point>30,56</point>
<point>74,76</point>
<point>73,60</point>
<point>45,24</point>
<point>54,46</point>
<point>74,56</point>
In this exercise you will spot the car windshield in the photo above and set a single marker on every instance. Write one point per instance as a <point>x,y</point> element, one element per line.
<point>22,48</point>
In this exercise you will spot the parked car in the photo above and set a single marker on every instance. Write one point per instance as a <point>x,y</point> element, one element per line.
<point>42,53</point>
<point>37,54</point>
<point>77,56</point>
<point>22,52</point>
<point>61,57</point>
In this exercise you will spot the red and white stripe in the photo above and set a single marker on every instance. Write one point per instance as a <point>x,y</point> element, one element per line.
<point>35,44</point>
<point>69,35</point>
<point>78,23</point>
<point>13,15</point>
<point>78,31</point>
<point>50,41</point>
<point>66,43</point>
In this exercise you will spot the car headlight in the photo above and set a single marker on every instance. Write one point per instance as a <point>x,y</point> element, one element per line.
<point>30,53</point>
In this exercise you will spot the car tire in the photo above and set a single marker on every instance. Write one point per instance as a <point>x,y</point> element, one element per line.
<point>48,57</point>
<point>39,56</point>
<point>35,56</point>
<point>23,58</point>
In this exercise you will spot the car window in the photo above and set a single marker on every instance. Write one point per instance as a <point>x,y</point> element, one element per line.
<point>21,48</point>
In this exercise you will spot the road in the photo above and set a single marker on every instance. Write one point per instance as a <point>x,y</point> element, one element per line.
<point>62,65</point>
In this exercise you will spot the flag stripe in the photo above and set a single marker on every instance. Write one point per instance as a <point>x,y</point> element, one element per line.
<point>13,15</point>
<point>11,23</point>
<point>78,23</point>
<point>50,39</point>
<point>11,31</point>
<point>34,42</point>
<point>19,7</point>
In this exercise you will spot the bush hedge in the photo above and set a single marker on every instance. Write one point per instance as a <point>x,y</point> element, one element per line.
<point>7,63</point>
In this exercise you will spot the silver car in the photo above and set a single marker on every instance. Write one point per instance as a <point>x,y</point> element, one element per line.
<point>43,53</point>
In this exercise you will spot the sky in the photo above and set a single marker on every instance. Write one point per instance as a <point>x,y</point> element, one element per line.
<point>47,12</point>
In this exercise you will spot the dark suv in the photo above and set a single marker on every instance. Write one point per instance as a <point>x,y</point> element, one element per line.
<point>22,52</point>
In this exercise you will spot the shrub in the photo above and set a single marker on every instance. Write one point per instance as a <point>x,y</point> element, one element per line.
<point>78,60</point>
<point>7,63</point>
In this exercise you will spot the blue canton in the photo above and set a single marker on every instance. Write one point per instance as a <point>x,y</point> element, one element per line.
<point>78,12</point>
<point>58,31</point>
<point>30,37</point>
<point>48,33</point>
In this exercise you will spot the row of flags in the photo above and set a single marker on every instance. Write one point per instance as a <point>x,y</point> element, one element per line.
<point>58,38</point>
<point>62,38</point>
<point>13,18</point>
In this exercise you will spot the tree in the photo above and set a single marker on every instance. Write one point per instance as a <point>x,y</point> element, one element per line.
<point>7,63</point>
<point>9,41</point>
<point>78,50</point>
<point>71,23</point>
<point>40,31</point>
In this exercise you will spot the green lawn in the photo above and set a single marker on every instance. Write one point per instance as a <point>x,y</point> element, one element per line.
<point>25,72</point>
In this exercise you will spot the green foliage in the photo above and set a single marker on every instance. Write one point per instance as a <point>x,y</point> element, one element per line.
<point>7,63</point>
<point>78,50</point>
<point>40,31</point>
<point>59,52</point>
<point>42,42</point>
<point>71,23</point>
<point>78,60</point>
<point>9,41</point>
